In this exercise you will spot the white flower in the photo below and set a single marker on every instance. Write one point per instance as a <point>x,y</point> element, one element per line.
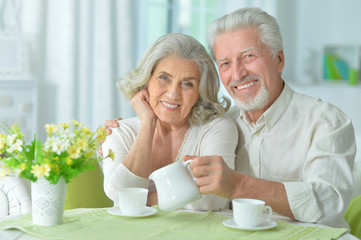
<point>2,144</point>
<point>49,142</point>
<point>11,139</point>
<point>70,135</point>
<point>17,146</point>
<point>60,145</point>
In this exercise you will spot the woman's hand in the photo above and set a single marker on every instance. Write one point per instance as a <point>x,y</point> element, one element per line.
<point>140,104</point>
<point>107,126</point>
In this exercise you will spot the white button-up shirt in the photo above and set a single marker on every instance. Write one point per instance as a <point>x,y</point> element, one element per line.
<point>309,146</point>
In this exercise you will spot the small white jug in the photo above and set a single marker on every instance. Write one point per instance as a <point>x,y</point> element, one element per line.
<point>175,186</point>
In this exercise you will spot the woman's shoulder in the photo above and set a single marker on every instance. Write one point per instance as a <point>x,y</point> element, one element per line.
<point>128,128</point>
<point>224,122</point>
<point>218,130</point>
<point>133,122</point>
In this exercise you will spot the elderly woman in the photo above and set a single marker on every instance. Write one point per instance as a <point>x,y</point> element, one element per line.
<point>174,92</point>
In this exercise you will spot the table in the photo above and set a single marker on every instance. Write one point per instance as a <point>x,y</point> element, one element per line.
<point>183,215</point>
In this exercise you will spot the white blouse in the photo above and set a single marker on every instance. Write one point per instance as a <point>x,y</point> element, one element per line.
<point>217,137</point>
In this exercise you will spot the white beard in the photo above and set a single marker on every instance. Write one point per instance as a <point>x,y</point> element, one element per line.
<point>255,103</point>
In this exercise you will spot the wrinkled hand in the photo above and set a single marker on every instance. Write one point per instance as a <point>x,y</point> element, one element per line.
<point>140,104</point>
<point>109,124</point>
<point>213,176</point>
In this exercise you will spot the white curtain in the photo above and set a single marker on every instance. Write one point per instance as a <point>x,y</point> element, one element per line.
<point>77,51</point>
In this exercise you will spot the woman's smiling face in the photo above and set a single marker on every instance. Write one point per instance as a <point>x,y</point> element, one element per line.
<point>174,89</point>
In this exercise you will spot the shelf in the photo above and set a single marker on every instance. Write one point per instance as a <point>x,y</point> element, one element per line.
<point>341,63</point>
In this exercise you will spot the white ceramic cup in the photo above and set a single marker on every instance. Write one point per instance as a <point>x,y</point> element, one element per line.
<point>175,185</point>
<point>132,200</point>
<point>250,213</point>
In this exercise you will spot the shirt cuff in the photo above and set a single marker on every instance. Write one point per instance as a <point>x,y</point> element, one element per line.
<point>302,201</point>
<point>209,202</point>
<point>123,178</point>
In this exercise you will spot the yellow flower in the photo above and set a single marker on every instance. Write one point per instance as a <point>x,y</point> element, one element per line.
<point>39,171</point>
<point>15,129</point>
<point>111,154</point>
<point>2,172</point>
<point>74,152</point>
<point>56,168</point>
<point>68,146</point>
<point>2,142</point>
<point>65,125</point>
<point>87,131</point>
<point>22,167</point>
<point>101,134</point>
<point>89,154</point>
<point>82,143</point>
<point>76,123</point>
<point>69,161</point>
<point>51,128</point>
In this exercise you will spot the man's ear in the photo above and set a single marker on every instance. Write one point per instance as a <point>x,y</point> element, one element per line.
<point>281,61</point>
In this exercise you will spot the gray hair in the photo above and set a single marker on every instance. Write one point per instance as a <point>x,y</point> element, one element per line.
<point>183,46</point>
<point>266,25</point>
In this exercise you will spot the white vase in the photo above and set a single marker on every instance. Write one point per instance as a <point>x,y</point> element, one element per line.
<point>48,202</point>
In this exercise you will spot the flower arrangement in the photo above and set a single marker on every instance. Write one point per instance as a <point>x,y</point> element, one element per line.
<point>70,148</point>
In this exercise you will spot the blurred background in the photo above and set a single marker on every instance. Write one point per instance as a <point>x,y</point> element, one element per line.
<point>59,60</point>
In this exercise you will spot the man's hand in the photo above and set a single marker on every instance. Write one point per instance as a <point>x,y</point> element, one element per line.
<point>213,175</point>
<point>109,124</point>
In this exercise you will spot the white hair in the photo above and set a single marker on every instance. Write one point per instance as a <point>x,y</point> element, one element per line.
<point>183,46</point>
<point>266,25</point>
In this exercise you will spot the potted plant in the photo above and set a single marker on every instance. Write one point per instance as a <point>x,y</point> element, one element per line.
<point>69,149</point>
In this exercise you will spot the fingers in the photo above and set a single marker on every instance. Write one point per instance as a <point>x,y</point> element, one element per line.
<point>212,175</point>
<point>188,157</point>
<point>142,96</point>
<point>107,125</point>
<point>100,151</point>
<point>142,106</point>
<point>204,164</point>
<point>111,123</point>
<point>108,130</point>
<point>212,184</point>
<point>201,171</point>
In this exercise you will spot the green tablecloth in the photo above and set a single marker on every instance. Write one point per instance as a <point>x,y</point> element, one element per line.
<point>97,224</point>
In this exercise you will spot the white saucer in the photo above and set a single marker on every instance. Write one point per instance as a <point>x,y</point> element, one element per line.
<point>262,226</point>
<point>147,212</point>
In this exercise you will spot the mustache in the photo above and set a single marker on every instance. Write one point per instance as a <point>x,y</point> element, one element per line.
<point>245,79</point>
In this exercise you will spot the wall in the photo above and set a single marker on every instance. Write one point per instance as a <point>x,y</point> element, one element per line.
<point>308,25</point>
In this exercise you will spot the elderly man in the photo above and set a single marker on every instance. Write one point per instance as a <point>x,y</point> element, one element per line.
<point>295,152</point>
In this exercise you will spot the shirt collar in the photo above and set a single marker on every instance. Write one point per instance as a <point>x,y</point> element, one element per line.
<point>273,113</point>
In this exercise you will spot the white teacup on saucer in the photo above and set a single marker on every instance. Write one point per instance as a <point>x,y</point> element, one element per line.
<point>132,201</point>
<point>149,211</point>
<point>250,213</point>
<point>262,226</point>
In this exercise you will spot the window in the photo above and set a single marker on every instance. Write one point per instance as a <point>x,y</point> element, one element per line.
<point>158,17</point>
